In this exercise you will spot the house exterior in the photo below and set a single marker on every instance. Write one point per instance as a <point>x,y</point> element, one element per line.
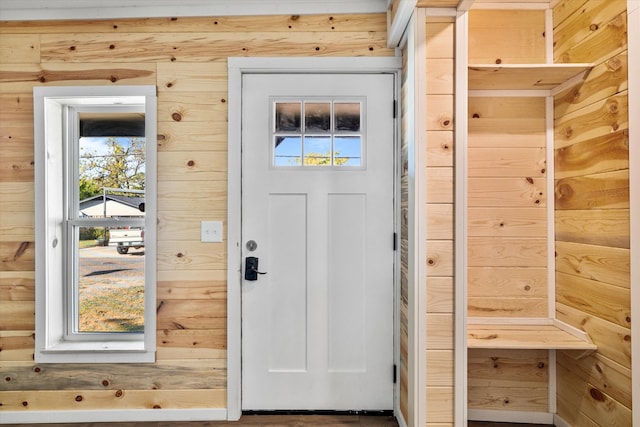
<point>517,200</point>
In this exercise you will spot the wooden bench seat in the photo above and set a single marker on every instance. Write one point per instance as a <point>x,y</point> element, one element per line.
<point>549,334</point>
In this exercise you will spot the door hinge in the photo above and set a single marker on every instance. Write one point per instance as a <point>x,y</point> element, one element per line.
<point>395,373</point>
<point>395,241</point>
<point>395,108</point>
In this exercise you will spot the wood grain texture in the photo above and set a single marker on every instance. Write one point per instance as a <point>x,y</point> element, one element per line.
<point>592,199</point>
<point>602,373</point>
<point>159,376</point>
<point>186,59</point>
<point>604,80</point>
<point>508,368</point>
<point>523,337</point>
<point>606,153</point>
<point>606,191</point>
<point>498,306</point>
<point>587,23</point>
<point>610,39</point>
<point>506,36</point>
<point>440,146</point>
<point>507,252</point>
<point>603,227</point>
<point>594,121</point>
<point>22,78</point>
<point>605,301</point>
<point>112,399</point>
<point>507,222</point>
<point>194,47</point>
<point>613,341</point>
<point>601,263</point>
<point>513,162</point>
<point>224,24</point>
<point>586,399</point>
<point>19,49</point>
<point>507,281</point>
<point>440,368</point>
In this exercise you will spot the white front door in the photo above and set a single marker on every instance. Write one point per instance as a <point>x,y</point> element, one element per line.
<point>318,214</point>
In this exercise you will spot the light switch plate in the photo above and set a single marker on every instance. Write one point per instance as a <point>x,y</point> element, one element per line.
<point>211,231</point>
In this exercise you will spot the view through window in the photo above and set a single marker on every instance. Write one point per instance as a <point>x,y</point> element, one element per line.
<point>108,232</point>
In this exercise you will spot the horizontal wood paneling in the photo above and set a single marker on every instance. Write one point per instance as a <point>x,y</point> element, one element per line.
<point>597,42</point>
<point>226,24</point>
<point>22,78</point>
<point>601,263</point>
<point>603,373</point>
<point>604,227</point>
<point>594,403</point>
<point>159,376</point>
<point>507,281</point>
<point>440,368</point>
<point>507,222</point>
<point>508,368</point>
<point>599,299</point>
<point>599,191</point>
<point>20,49</point>
<point>186,59</point>
<point>606,153</point>
<point>191,47</point>
<point>507,252</point>
<point>613,341</point>
<point>606,79</point>
<point>507,192</point>
<point>596,120</point>
<point>520,38</point>
<point>112,399</point>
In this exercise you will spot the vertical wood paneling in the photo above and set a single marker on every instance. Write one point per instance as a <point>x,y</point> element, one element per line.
<point>186,59</point>
<point>592,216</point>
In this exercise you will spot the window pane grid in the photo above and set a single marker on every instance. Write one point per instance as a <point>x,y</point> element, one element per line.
<point>325,133</point>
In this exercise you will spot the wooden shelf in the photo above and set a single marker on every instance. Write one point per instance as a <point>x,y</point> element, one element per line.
<point>524,76</point>
<point>550,335</point>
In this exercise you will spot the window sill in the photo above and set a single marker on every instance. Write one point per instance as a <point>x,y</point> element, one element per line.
<point>96,352</point>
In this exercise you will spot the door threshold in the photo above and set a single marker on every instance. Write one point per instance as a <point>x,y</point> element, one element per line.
<point>379,413</point>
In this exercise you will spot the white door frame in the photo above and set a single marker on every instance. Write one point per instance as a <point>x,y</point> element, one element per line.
<point>236,68</point>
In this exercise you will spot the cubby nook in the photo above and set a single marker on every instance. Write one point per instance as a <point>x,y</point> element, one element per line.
<point>513,331</point>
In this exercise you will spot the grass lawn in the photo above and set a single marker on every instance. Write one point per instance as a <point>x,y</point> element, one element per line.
<point>112,309</point>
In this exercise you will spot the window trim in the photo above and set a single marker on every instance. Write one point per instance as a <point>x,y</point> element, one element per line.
<point>52,257</point>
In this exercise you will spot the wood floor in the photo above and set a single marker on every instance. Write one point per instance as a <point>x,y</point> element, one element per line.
<point>280,420</point>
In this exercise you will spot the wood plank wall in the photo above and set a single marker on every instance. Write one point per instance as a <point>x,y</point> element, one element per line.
<point>507,214</point>
<point>440,42</point>
<point>187,60</point>
<point>592,212</point>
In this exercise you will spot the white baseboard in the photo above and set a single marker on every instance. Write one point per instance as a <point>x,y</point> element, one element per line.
<point>110,416</point>
<point>559,421</point>
<point>400,418</point>
<point>510,416</point>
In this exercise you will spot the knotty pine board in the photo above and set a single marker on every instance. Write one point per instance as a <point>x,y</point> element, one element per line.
<point>606,153</point>
<point>605,301</point>
<point>596,404</point>
<point>604,80</point>
<point>601,263</point>
<point>590,22</point>
<point>506,36</point>
<point>222,24</point>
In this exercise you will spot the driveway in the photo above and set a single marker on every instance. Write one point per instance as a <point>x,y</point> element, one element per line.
<point>103,266</point>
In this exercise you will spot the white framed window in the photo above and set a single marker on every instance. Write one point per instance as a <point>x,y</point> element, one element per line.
<point>317,133</point>
<point>95,207</point>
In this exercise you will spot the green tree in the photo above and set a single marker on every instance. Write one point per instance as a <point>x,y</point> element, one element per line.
<point>120,165</point>
<point>322,159</point>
